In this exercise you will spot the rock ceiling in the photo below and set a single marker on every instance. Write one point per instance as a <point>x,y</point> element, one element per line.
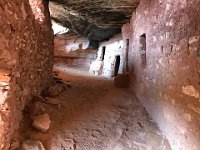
<point>96,19</point>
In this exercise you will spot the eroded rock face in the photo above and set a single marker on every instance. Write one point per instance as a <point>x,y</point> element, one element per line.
<point>167,84</point>
<point>73,50</point>
<point>26,60</point>
<point>98,20</point>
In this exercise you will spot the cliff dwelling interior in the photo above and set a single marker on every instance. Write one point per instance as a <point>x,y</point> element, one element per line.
<point>99,75</point>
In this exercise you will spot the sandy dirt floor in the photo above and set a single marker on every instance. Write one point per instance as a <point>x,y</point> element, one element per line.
<point>94,115</point>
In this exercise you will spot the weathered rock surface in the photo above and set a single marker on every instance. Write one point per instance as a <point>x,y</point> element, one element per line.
<point>55,90</point>
<point>41,122</point>
<point>98,20</point>
<point>15,144</point>
<point>37,107</point>
<point>97,116</point>
<point>57,87</point>
<point>26,60</point>
<point>72,50</point>
<point>167,84</point>
<point>32,145</point>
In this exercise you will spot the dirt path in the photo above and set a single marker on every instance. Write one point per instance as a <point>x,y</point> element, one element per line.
<point>96,116</point>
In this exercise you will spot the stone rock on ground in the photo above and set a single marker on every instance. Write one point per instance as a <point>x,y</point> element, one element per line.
<point>41,122</point>
<point>55,90</point>
<point>65,84</point>
<point>37,108</point>
<point>57,87</point>
<point>32,145</point>
<point>97,116</point>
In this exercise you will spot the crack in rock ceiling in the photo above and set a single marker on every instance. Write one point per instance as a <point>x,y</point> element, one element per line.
<point>96,19</point>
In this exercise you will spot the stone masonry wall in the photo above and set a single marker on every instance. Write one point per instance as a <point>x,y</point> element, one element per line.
<point>168,81</point>
<point>72,50</point>
<point>69,43</point>
<point>26,59</point>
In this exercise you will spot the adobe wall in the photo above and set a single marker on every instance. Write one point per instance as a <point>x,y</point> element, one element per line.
<point>126,37</point>
<point>113,47</point>
<point>26,60</point>
<point>168,83</point>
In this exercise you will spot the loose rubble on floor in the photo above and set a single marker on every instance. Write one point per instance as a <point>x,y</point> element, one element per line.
<point>41,121</point>
<point>93,115</point>
<point>58,86</point>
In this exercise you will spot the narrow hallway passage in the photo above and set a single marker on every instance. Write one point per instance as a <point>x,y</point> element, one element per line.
<point>99,75</point>
<point>94,115</point>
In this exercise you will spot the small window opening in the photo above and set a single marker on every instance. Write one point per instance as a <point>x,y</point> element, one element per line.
<point>142,49</point>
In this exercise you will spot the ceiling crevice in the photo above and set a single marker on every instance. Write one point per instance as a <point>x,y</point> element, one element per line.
<point>96,19</point>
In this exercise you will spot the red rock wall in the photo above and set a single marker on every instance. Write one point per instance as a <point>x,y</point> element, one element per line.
<point>168,83</point>
<point>72,50</point>
<point>26,60</point>
<point>66,44</point>
<point>126,37</point>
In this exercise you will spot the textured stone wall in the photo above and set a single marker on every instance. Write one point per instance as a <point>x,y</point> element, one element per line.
<point>126,37</point>
<point>168,83</point>
<point>72,50</point>
<point>113,47</point>
<point>26,59</point>
<point>66,44</point>
<point>98,19</point>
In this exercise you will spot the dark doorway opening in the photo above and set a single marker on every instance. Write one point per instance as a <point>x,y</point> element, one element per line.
<point>142,49</point>
<point>116,65</point>
<point>127,53</point>
<point>103,53</point>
